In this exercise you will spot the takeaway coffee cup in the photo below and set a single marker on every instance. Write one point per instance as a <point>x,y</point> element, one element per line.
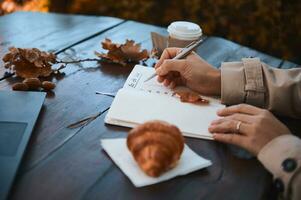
<point>182,33</point>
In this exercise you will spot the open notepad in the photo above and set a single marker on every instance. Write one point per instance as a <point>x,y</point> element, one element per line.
<point>139,101</point>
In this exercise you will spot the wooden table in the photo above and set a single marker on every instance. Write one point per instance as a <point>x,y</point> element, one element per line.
<point>62,163</point>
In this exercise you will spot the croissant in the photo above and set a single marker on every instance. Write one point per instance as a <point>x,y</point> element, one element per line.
<point>156,146</point>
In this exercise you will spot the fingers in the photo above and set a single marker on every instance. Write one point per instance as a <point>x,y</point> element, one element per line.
<point>172,79</point>
<point>171,66</point>
<point>241,108</point>
<point>235,139</point>
<point>168,53</point>
<point>173,84</point>
<point>237,117</point>
<point>160,79</point>
<point>166,82</point>
<point>169,70</point>
<point>229,126</point>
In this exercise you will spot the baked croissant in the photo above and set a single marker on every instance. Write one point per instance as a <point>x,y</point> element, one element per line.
<point>156,146</point>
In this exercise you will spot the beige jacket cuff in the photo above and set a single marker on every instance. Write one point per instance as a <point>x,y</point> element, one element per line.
<point>242,82</point>
<point>276,151</point>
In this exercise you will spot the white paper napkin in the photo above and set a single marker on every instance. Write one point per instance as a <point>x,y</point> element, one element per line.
<point>118,151</point>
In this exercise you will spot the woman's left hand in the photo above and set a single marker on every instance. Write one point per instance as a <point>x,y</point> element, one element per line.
<point>247,126</point>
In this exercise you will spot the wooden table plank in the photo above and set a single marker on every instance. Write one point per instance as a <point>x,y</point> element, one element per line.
<point>49,32</point>
<point>108,77</point>
<point>55,151</point>
<point>75,95</point>
<point>63,163</point>
<point>216,50</point>
<point>244,52</point>
<point>90,174</point>
<point>53,32</point>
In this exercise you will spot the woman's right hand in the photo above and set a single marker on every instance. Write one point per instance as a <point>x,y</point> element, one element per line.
<point>193,72</point>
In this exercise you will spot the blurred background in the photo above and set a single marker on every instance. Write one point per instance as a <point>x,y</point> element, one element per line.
<point>271,26</point>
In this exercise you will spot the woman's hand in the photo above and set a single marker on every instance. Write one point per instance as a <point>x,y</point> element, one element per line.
<point>192,71</point>
<point>257,127</point>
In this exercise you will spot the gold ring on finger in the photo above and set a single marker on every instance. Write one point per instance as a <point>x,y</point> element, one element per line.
<point>238,126</point>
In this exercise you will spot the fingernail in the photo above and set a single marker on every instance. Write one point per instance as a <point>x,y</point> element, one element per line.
<point>214,122</point>
<point>219,111</point>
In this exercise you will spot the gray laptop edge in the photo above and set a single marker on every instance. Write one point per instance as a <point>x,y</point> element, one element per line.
<point>18,114</point>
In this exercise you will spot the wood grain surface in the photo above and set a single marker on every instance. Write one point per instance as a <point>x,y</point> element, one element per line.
<point>63,163</point>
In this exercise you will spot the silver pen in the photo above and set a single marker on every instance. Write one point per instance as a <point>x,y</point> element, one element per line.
<point>183,53</point>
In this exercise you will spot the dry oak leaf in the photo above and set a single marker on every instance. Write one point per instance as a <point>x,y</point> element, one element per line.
<point>123,53</point>
<point>29,63</point>
<point>191,97</point>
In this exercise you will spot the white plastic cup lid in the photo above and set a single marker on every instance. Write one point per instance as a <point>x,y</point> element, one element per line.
<point>183,30</point>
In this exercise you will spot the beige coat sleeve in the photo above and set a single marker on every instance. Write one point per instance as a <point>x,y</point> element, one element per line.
<point>282,157</point>
<point>255,83</point>
<point>279,91</point>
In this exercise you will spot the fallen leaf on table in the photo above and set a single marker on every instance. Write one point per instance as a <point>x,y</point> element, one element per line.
<point>123,53</point>
<point>29,63</point>
<point>191,97</point>
<point>154,53</point>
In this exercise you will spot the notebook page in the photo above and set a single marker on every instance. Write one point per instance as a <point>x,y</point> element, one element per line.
<point>137,107</point>
<point>136,80</point>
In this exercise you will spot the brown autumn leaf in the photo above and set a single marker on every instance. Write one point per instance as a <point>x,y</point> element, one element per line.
<point>154,53</point>
<point>123,53</point>
<point>29,62</point>
<point>191,97</point>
